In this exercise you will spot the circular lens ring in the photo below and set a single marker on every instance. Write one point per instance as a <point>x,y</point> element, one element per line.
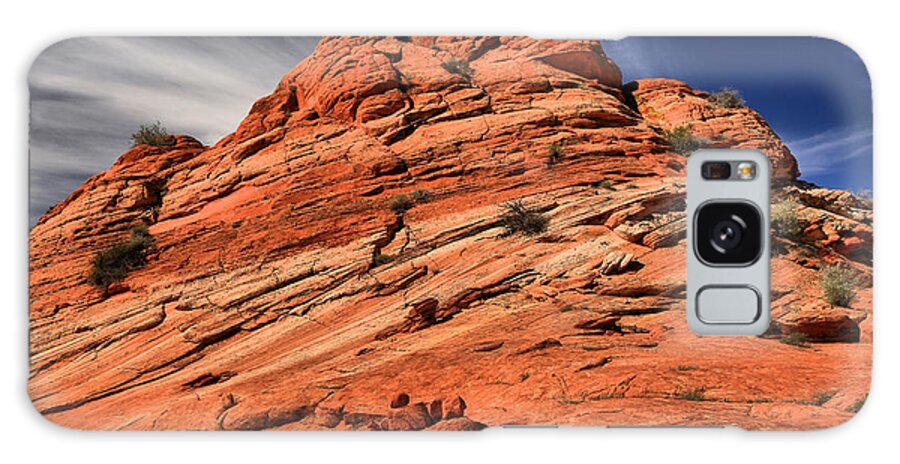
<point>716,245</point>
<point>726,235</point>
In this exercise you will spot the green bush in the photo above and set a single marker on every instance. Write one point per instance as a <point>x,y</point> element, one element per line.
<point>459,67</point>
<point>795,339</point>
<point>727,97</point>
<point>519,218</point>
<point>682,140</point>
<point>380,259</point>
<point>421,196</point>
<point>113,264</point>
<point>400,204</point>
<point>839,284</point>
<point>152,134</point>
<point>785,220</point>
<point>605,185</point>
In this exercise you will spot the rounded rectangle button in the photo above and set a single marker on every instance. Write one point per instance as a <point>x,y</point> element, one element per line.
<point>728,304</point>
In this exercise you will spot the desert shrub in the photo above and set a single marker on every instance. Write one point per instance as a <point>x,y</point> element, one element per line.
<point>823,397</point>
<point>683,140</point>
<point>400,204</point>
<point>113,264</point>
<point>421,196</point>
<point>519,218</point>
<point>857,405</point>
<point>692,395</point>
<point>785,220</point>
<point>605,185</point>
<point>807,252</point>
<point>460,67</point>
<point>839,284</point>
<point>795,339</point>
<point>554,154</point>
<point>727,97</point>
<point>381,258</point>
<point>152,134</point>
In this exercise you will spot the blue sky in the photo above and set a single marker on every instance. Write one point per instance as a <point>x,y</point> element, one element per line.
<point>815,93</point>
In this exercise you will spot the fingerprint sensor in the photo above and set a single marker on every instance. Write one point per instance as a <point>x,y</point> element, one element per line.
<point>724,304</point>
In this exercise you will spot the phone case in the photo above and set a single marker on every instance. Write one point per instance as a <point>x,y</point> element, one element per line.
<point>438,233</point>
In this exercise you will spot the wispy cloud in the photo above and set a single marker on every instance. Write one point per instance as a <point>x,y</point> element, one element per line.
<point>829,151</point>
<point>89,94</point>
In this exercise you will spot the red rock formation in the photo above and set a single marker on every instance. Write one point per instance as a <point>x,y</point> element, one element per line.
<point>284,291</point>
<point>670,104</point>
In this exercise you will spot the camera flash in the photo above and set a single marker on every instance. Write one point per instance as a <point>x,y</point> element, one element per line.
<point>746,170</point>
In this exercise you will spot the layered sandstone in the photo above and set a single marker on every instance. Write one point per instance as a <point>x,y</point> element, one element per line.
<point>669,104</point>
<point>284,292</point>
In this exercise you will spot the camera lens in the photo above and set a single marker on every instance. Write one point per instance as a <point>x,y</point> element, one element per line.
<point>716,170</point>
<point>728,233</point>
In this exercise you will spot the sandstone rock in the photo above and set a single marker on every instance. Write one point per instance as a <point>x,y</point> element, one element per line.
<point>818,323</point>
<point>847,236</point>
<point>616,262</point>
<point>422,314</point>
<point>328,417</point>
<point>459,424</point>
<point>671,103</point>
<point>603,323</point>
<point>412,417</point>
<point>208,379</point>
<point>541,345</point>
<point>116,288</point>
<point>454,407</point>
<point>839,202</point>
<point>594,365</point>
<point>487,346</point>
<point>436,410</point>
<point>364,421</point>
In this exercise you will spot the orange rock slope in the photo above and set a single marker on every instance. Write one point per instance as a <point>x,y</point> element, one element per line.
<point>291,287</point>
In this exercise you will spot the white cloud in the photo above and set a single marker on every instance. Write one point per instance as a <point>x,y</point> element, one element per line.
<point>89,94</point>
<point>828,150</point>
